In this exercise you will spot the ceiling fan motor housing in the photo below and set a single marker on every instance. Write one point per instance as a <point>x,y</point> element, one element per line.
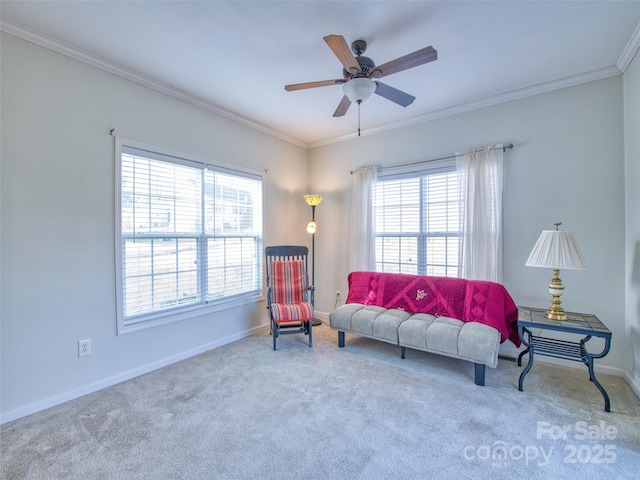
<point>366,65</point>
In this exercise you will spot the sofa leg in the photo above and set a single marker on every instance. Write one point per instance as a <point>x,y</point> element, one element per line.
<point>402,352</point>
<point>480,367</point>
<point>340,339</point>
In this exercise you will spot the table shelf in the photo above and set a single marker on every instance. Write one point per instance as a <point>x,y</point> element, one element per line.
<point>553,347</point>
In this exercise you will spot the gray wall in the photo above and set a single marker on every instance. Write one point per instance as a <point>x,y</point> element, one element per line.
<point>632,227</point>
<point>57,243</point>
<point>567,165</point>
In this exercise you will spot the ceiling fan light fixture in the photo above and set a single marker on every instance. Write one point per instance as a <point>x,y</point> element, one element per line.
<point>359,89</point>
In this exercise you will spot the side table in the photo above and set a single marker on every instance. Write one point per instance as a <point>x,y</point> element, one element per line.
<point>579,323</point>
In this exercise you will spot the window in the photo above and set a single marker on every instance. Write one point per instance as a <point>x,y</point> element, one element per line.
<point>188,236</point>
<point>417,221</point>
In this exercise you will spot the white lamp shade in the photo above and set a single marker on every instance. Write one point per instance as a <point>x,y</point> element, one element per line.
<point>359,89</point>
<point>556,249</point>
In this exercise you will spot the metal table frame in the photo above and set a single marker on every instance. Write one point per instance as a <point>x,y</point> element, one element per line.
<point>578,323</point>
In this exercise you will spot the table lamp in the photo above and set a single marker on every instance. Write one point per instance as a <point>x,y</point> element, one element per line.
<point>556,249</point>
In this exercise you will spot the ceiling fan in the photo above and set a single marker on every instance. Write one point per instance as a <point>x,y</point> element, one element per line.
<point>359,73</point>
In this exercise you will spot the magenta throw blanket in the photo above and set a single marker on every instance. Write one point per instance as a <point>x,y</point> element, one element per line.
<point>467,300</point>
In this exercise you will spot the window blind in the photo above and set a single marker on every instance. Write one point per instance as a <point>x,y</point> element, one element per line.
<point>190,236</point>
<point>417,222</point>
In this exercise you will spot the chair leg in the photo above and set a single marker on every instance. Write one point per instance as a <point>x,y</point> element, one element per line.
<point>310,327</point>
<point>274,328</point>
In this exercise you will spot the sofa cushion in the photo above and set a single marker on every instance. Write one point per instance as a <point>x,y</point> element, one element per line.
<point>479,343</point>
<point>370,321</point>
<point>386,325</point>
<point>340,318</point>
<point>442,335</point>
<point>378,322</point>
<point>471,341</point>
<point>412,332</point>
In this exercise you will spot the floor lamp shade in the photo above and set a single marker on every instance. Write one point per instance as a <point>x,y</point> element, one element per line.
<point>313,199</point>
<point>556,249</point>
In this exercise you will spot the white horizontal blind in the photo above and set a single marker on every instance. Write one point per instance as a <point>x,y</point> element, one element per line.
<point>442,223</point>
<point>190,235</point>
<point>233,227</point>
<point>417,222</point>
<point>396,207</point>
<point>161,223</point>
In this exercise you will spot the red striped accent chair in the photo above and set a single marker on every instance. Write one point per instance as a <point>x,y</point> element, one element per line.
<point>288,291</point>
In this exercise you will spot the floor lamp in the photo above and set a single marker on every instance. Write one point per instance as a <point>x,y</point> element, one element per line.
<point>313,201</point>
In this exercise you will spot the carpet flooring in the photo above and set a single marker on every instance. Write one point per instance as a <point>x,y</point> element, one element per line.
<point>243,411</point>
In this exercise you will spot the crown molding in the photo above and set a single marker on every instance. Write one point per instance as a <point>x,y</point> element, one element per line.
<point>137,77</point>
<point>630,50</point>
<point>59,47</point>
<point>483,102</point>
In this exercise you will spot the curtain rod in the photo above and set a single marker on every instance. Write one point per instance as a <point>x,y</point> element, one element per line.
<point>436,159</point>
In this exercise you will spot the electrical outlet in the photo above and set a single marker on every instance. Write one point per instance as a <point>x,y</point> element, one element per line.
<point>84,347</point>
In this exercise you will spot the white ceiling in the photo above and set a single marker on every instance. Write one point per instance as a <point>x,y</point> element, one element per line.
<point>234,57</point>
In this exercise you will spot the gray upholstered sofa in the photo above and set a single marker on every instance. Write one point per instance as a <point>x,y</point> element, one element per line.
<point>411,311</point>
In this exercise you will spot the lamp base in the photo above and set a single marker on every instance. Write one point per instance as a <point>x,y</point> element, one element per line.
<point>556,312</point>
<point>316,322</point>
<point>556,315</point>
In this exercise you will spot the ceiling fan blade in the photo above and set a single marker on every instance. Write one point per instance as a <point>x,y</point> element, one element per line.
<point>398,96</point>
<point>341,49</point>
<point>343,106</point>
<point>419,57</point>
<point>322,83</point>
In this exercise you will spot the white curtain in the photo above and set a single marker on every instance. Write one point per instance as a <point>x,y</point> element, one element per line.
<point>481,213</point>
<point>362,255</point>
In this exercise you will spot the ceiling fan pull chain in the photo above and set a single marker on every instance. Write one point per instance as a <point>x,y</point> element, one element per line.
<point>359,103</point>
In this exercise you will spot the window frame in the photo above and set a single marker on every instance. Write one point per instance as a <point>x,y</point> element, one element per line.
<point>418,171</point>
<point>157,317</point>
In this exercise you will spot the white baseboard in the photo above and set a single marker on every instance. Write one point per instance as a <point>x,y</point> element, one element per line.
<point>108,382</point>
